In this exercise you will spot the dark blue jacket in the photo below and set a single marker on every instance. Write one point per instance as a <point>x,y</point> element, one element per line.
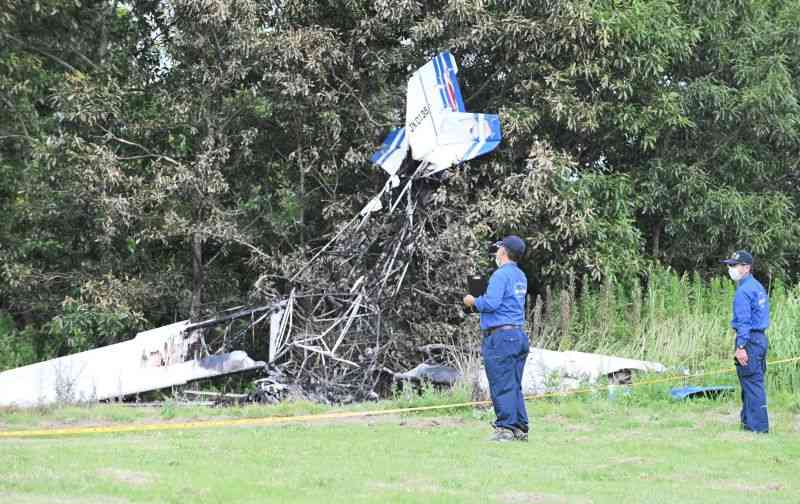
<point>504,300</point>
<point>750,309</point>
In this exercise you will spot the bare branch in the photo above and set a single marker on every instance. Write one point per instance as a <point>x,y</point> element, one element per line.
<point>112,136</point>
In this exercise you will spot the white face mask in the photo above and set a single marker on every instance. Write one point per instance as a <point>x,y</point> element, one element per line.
<point>497,260</point>
<point>733,272</point>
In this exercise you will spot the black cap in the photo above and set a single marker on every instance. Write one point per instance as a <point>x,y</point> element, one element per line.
<point>512,243</point>
<point>739,257</point>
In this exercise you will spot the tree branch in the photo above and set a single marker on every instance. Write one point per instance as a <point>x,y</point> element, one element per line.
<point>42,52</point>
<point>112,136</point>
<point>354,95</point>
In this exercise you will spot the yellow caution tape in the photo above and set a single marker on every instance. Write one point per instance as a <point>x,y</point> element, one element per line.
<point>274,420</point>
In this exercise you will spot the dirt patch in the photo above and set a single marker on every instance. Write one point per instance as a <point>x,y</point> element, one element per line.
<point>579,428</point>
<point>19,498</point>
<point>620,462</point>
<point>248,422</point>
<point>728,418</point>
<point>569,425</point>
<point>744,487</point>
<point>740,436</point>
<point>529,497</point>
<point>348,420</point>
<point>625,434</point>
<point>408,485</point>
<point>413,422</point>
<point>432,423</point>
<point>80,423</point>
<point>682,478</point>
<point>134,478</point>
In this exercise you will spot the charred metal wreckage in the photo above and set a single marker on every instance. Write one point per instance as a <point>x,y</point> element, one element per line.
<point>331,330</point>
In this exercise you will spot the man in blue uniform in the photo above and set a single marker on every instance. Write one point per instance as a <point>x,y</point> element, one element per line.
<point>750,320</point>
<point>505,345</point>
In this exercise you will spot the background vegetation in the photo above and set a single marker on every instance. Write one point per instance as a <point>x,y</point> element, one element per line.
<point>159,156</point>
<point>682,321</point>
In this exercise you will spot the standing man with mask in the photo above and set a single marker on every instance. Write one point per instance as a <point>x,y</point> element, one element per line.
<point>750,320</point>
<point>505,345</point>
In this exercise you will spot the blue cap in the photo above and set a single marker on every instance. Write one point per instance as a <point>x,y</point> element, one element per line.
<point>514,244</point>
<point>739,257</point>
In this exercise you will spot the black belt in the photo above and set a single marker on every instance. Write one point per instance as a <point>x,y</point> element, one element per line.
<point>491,330</point>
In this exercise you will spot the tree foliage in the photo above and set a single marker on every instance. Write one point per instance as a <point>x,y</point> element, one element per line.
<point>158,156</point>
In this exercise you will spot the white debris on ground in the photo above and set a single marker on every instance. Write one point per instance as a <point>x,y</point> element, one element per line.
<point>548,370</point>
<point>154,359</point>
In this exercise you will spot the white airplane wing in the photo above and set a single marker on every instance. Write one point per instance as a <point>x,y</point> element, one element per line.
<point>463,136</point>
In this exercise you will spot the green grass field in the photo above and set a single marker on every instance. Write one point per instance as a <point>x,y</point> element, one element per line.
<point>637,449</point>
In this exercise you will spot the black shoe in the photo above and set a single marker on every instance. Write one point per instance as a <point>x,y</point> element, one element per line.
<point>520,435</point>
<point>502,435</point>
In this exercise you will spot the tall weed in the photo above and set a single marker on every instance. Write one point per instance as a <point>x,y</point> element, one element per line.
<point>678,320</point>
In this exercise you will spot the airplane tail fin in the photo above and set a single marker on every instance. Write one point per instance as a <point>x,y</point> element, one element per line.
<point>447,82</point>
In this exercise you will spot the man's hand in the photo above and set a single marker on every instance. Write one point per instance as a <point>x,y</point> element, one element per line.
<point>469,300</point>
<point>741,356</point>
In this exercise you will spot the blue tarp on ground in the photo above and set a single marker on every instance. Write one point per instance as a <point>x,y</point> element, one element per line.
<point>695,392</point>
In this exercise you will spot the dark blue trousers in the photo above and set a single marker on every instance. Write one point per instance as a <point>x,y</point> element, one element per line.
<point>751,378</point>
<point>504,356</point>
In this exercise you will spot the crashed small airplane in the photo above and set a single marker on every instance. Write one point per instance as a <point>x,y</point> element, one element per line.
<point>324,325</point>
